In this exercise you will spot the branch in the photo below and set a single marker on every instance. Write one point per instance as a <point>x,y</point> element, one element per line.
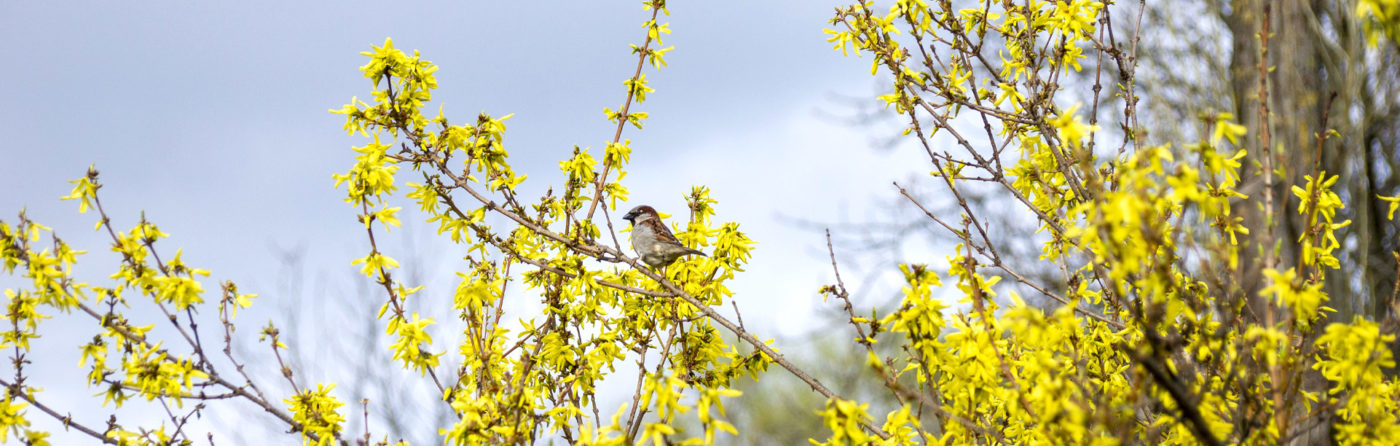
<point>1185,402</point>
<point>839,290</point>
<point>66,419</point>
<point>622,114</point>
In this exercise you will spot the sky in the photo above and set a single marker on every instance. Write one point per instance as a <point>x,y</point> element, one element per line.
<point>212,120</point>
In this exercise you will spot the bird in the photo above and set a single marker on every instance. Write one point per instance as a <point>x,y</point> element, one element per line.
<point>652,240</point>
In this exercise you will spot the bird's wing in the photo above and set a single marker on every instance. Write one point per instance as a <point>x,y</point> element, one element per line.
<point>663,233</point>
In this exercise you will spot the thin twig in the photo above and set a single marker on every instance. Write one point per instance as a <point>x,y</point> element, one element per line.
<point>622,115</point>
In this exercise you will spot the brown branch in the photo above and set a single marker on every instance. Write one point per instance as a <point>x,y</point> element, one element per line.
<point>622,114</point>
<point>641,376</point>
<point>68,423</point>
<point>1185,402</point>
<point>1270,261</point>
<point>839,290</point>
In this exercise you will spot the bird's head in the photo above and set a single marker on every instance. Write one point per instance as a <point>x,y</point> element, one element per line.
<point>639,213</point>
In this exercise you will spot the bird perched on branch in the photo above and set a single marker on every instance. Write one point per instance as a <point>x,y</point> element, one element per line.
<point>652,240</point>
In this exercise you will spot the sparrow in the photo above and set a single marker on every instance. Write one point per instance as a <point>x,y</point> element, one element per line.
<point>652,240</point>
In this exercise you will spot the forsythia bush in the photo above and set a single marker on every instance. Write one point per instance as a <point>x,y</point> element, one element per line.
<point>1151,336</point>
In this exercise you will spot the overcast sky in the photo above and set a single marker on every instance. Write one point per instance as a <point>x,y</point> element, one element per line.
<point>212,119</point>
